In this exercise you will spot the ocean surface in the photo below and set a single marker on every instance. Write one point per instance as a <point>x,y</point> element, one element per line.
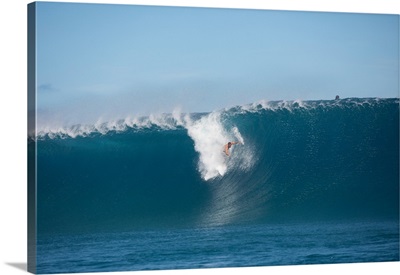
<point>311,182</point>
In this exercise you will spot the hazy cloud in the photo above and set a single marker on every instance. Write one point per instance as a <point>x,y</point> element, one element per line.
<point>47,88</point>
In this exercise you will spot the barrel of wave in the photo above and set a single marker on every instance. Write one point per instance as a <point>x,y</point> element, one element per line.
<point>209,137</point>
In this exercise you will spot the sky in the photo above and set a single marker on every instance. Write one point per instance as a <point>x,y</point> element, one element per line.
<point>112,61</point>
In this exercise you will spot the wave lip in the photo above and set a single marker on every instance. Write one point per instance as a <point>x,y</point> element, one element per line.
<point>178,119</point>
<point>308,105</point>
<point>161,122</point>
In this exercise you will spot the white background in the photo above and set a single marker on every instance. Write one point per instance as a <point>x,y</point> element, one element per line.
<point>13,129</point>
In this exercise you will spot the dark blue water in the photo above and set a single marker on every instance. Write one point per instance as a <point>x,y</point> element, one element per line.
<point>227,246</point>
<point>313,182</point>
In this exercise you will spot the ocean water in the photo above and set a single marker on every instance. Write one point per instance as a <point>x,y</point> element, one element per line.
<point>311,182</point>
<point>223,246</point>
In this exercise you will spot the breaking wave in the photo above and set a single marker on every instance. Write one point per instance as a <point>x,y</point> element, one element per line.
<point>297,159</point>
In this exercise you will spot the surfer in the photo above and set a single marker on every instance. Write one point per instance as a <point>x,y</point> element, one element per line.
<point>228,146</point>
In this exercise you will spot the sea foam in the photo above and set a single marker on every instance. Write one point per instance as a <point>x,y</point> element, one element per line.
<point>209,137</point>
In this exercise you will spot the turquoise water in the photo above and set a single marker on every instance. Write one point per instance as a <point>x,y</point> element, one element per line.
<point>312,182</point>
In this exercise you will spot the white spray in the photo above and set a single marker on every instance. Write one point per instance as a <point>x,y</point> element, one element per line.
<point>209,137</point>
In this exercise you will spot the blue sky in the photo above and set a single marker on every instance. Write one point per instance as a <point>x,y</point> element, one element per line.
<point>117,60</point>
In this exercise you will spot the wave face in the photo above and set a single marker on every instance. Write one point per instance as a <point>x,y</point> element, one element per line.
<point>297,161</point>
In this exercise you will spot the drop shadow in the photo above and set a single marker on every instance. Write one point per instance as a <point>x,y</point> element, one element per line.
<point>20,266</point>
